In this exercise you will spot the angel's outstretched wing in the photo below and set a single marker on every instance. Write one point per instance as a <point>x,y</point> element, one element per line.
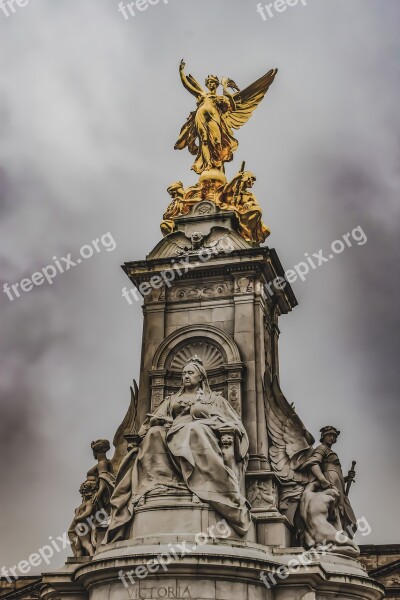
<point>128,425</point>
<point>291,442</point>
<point>247,100</point>
<point>188,135</point>
<point>218,236</point>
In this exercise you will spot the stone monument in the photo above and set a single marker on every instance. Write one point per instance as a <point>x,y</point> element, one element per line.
<point>215,489</point>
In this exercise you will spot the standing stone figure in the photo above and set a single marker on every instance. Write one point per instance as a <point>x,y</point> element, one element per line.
<point>102,474</point>
<point>313,495</point>
<point>181,447</point>
<point>324,464</point>
<point>96,493</point>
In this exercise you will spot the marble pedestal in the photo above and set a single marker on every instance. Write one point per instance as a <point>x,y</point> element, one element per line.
<point>224,570</point>
<point>176,550</point>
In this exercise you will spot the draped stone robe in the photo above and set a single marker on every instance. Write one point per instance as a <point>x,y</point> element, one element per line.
<point>188,453</point>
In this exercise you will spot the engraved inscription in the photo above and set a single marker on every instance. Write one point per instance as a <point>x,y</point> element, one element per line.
<point>152,592</point>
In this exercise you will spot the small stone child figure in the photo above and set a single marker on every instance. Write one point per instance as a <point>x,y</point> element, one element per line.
<point>81,532</point>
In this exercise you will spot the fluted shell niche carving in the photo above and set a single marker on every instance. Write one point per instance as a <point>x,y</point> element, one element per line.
<point>210,355</point>
<point>224,370</point>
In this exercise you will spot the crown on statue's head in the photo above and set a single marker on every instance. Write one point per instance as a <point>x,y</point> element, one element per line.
<point>213,78</point>
<point>196,360</point>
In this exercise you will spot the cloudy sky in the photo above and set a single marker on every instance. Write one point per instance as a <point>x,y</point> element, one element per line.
<point>90,108</point>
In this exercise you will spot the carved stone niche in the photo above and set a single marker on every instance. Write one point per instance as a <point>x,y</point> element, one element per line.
<point>218,352</point>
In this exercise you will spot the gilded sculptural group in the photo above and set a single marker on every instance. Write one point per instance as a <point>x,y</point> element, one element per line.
<point>208,135</point>
<point>234,196</point>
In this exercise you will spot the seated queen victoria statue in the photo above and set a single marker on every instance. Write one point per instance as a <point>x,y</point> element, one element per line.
<point>181,448</point>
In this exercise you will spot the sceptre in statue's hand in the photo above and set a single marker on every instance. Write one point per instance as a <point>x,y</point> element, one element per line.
<point>350,477</point>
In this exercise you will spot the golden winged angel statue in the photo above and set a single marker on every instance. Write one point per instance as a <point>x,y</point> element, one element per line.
<point>208,131</point>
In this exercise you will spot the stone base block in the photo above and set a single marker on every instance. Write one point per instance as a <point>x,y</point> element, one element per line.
<point>272,528</point>
<point>180,517</point>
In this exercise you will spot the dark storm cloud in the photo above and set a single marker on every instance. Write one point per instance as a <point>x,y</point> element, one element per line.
<point>375,319</point>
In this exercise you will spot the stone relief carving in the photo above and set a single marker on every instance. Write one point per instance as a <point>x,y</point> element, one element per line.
<point>209,354</point>
<point>263,494</point>
<point>195,292</point>
<point>218,241</point>
<point>156,295</point>
<point>233,393</point>
<point>208,333</point>
<point>244,285</point>
<point>157,398</point>
<point>233,397</point>
<point>204,208</point>
<point>234,375</point>
<point>196,238</point>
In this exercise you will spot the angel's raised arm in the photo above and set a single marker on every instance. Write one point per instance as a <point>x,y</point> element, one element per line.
<point>189,82</point>
<point>227,93</point>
